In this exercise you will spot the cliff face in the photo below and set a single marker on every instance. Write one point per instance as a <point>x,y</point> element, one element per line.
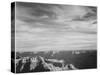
<point>40,64</point>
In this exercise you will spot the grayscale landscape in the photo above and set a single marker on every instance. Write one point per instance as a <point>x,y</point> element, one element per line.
<point>54,37</point>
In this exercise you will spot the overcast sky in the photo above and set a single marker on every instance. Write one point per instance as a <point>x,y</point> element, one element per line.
<point>44,27</point>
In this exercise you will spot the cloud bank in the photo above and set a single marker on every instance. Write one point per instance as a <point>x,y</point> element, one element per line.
<point>44,27</point>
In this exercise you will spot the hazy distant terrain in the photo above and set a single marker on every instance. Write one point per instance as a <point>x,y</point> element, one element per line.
<point>49,61</point>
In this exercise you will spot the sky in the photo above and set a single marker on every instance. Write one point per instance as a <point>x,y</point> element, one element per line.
<point>45,27</point>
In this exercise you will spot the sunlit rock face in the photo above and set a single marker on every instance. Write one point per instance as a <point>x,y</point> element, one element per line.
<point>40,64</point>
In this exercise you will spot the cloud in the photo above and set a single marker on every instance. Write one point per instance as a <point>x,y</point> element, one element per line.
<point>52,26</point>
